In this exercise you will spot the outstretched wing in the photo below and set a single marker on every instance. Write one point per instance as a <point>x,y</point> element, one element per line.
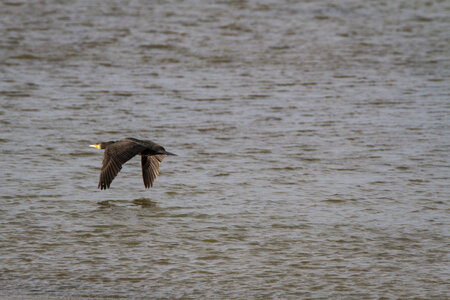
<point>150,168</point>
<point>115,156</point>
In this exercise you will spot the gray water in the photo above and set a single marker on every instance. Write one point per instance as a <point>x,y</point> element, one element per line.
<point>313,142</point>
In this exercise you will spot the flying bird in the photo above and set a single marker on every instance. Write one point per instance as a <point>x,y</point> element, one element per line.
<point>119,152</point>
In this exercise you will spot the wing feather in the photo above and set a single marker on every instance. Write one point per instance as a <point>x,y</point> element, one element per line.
<point>150,168</point>
<point>115,156</point>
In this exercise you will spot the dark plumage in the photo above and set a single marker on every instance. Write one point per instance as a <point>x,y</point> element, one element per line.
<point>119,152</point>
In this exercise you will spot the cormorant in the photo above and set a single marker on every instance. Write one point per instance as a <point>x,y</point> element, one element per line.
<point>119,152</point>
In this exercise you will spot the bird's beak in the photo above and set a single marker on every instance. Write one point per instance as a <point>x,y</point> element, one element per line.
<point>97,146</point>
<point>169,153</point>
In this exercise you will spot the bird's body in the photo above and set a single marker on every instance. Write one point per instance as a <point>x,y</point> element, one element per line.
<point>119,152</point>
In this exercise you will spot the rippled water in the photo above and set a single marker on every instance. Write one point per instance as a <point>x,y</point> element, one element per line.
<point>313,141</point>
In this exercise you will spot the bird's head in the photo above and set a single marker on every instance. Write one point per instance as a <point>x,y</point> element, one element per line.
<point>161,150</point>
<point>101,145</point>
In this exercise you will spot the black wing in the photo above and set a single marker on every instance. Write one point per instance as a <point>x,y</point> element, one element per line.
<point>115,156</point>
<point>152,147</point>
<point>150,168</point>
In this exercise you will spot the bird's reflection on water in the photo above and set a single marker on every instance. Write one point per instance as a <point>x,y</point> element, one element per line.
<point>105,204</point>
<point>143,202</point>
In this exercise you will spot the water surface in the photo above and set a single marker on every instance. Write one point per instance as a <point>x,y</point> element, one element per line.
<point>313,142</point>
